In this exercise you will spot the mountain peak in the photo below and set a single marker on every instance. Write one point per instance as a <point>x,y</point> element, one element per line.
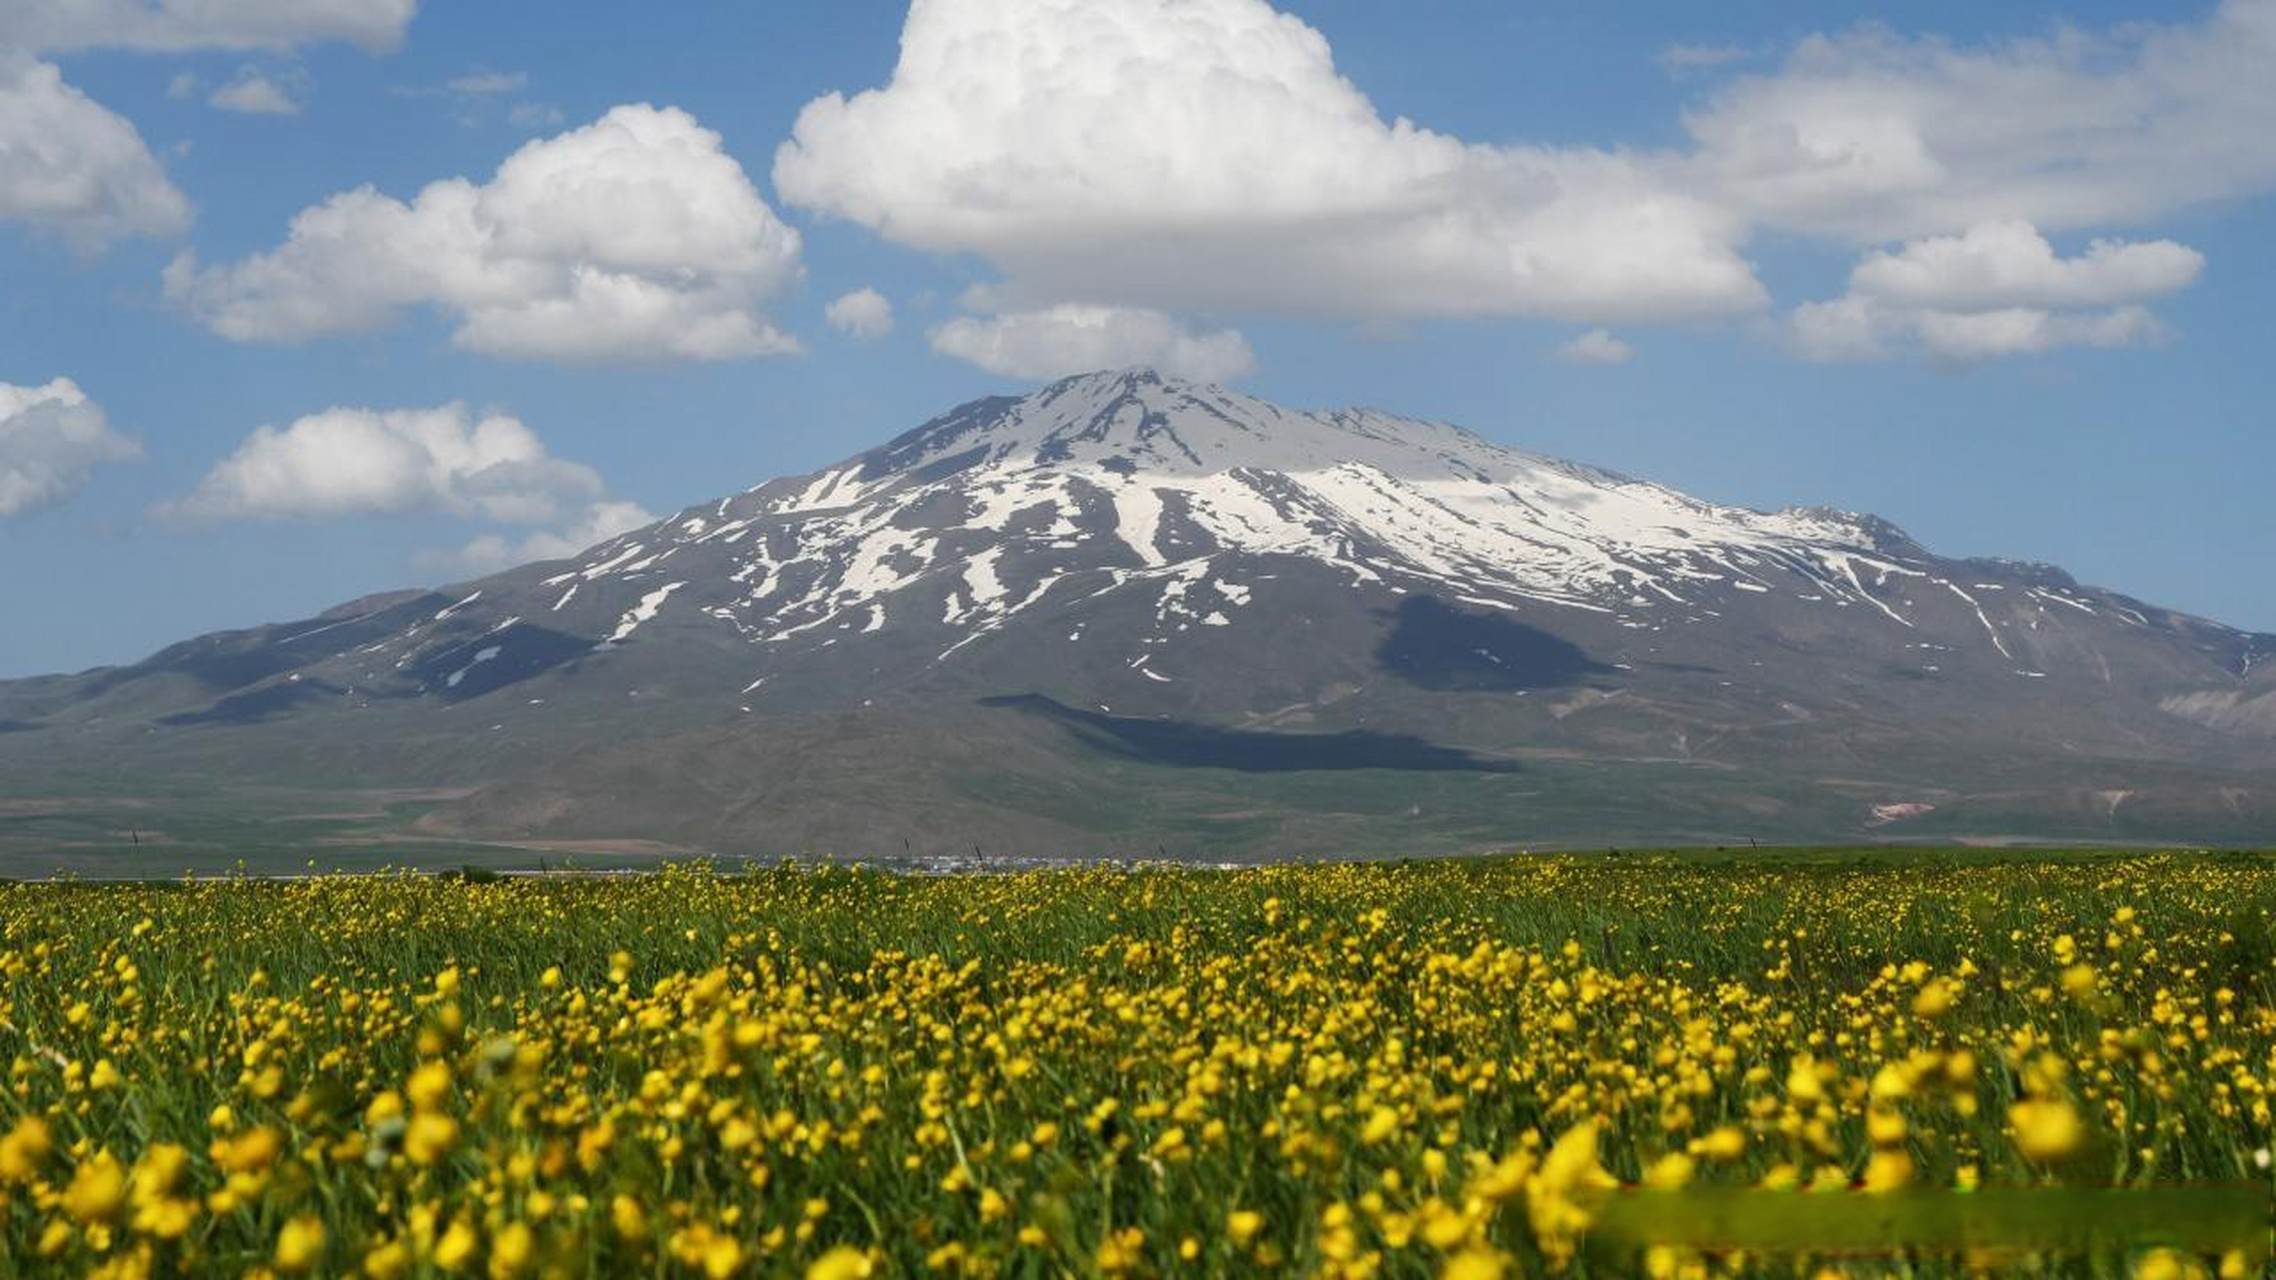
<point>1140,421</point>
<point>1136,379</point>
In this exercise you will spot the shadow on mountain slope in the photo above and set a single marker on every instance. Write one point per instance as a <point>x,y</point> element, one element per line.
<point>1199,746</point>
<point>1436,646</point>
<point>495,659</point>
<point>235,659</point>
<point>258,706</point>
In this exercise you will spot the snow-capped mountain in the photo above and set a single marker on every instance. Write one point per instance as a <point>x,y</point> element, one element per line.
<point>1126,587</point>
<point>1133,484</point>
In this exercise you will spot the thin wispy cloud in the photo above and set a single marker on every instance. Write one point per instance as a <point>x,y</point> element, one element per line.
<point>254,92</point>
<point>176,26</point>
<point>1596,347</point>
<point>864,313</point>
<point>485,83</point>
<point>483,96</point>
<point>1703,57</point>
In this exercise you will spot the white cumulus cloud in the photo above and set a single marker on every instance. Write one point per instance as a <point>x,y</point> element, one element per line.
<point>1076,338</point>
<point>1596,347</point>
<point>51,438</point>
<point>72,167</point>
<point>2009,264</point>
<point>176,25</point>
<point>1206,155</point>
<point>864,313</point>
<point>355,461</point>
<point>351,461</point>
<point>635,239</point>
<point>1996,290</point>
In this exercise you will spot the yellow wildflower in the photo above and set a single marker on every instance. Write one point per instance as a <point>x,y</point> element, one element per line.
<point>429,1138</point>
<point>25,1149</point>
<point>457,1246</point>
<point>1475,1264</point>
<point>2046,1128</point>
<point>300,1244</point>
<point>841,1263</point>
<point>98,1189</point>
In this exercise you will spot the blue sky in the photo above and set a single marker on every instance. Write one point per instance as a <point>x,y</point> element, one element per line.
<point>1839,254</point>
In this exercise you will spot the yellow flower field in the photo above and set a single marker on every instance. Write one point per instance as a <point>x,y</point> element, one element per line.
<point>1460,1069</point>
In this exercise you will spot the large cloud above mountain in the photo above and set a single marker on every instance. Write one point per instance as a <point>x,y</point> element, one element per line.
<point>1206,156</point>
<point>635,239</point>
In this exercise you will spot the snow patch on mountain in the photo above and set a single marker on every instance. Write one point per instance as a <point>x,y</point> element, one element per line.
<point>650,605</point>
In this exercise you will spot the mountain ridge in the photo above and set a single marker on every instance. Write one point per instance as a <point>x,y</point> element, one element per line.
<point>1153,551</point>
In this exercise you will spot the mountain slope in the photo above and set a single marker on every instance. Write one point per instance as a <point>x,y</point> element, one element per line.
<point>1128,613</point>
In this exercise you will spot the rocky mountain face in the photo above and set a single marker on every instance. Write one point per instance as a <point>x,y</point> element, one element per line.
<point>1128,614</point>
